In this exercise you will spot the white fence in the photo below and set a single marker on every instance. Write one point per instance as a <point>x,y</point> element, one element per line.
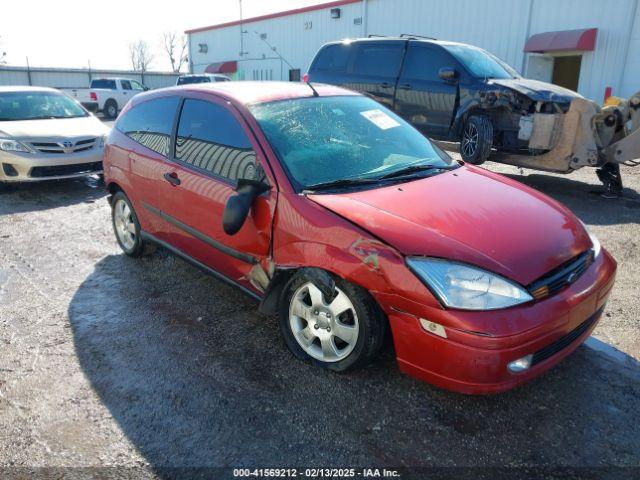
<point>78,77</point>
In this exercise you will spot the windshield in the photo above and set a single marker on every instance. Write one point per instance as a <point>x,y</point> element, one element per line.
<point>328,139</point>
<point>38,105</point>
<point>481,63</point>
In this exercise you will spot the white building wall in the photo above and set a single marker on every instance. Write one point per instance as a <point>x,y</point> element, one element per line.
<point>499,26</point>
<point>78,78</point>
<point>602,67</point>
<point>296,38</point>
<point>630,81</point>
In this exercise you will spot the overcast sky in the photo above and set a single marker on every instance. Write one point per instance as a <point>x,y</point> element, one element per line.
<point>70,33</point>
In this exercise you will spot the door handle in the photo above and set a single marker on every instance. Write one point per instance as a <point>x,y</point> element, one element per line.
<point>386,85</point>
<point>405,86</point>
<point>172,178</point>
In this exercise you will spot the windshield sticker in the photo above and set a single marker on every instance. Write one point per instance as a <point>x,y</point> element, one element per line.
<point>380,119</point>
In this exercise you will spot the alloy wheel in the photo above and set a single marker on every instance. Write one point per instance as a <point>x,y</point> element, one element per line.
<point>125,227</point>
<point>470,140</point>
<point>326,331</point>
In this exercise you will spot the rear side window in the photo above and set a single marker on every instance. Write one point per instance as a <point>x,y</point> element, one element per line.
<point>108,84</point>
<point>211,139</point>
<point>332,58</point>
<point>423,62</point>
<point>150,123</point>
<point>126,84</point>
<point>378,59</point>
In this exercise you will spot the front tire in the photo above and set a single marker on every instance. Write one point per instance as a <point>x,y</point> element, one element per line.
<point>344,333</point>
<point>126,226</point>
<point>477,139</point>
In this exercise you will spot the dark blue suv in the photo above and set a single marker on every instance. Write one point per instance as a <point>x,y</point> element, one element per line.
<point>449,91</point>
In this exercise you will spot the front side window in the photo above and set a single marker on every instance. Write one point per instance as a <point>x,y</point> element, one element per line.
<point>481,63</point>
<point>378,59</point>
<point>150,123</point>
<point>424,63</point>
<point>327,139</point>
<point>136,85</point>
<point>211,139</point>
<point>38,106</point>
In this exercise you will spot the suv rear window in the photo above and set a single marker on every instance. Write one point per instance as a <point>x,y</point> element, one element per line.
<point>190,80</point>
<point>378,59</point>
<point>150,123</point>
<point>332,58</point>
<point>108,84</point>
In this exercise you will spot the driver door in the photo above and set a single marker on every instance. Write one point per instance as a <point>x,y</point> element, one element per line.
<point>422,97</point>
<point>212,149</point>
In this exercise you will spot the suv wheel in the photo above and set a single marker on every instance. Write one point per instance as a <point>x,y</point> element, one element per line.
<point>126,226</point>
<point>110,109</point>
<point>339,334</point>
<point>477,139</point>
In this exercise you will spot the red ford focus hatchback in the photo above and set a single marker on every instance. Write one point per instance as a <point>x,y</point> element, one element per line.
<point>344,220</point>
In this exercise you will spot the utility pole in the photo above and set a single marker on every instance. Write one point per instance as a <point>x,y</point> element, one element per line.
<point>28,72</point>
<point>241,31</point>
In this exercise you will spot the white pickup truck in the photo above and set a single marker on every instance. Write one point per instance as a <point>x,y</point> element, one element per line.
<point>107,95</point>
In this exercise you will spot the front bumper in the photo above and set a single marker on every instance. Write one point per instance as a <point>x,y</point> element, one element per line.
<point>476,362</point>
<point>33,167</point>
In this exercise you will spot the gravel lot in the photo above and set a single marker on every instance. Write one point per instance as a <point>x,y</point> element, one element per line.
<point>109,361</point>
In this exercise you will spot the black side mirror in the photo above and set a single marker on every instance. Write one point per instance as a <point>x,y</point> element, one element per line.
<point>448,74</point>
<point>145,88</point>
<point>238,206</point>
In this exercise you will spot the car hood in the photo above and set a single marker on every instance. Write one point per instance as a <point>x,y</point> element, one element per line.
<point>537,90</point>
<point>54,128</point>
<point>468,215</point>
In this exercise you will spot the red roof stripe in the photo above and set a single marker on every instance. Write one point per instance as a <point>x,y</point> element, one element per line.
<point>286,13</point>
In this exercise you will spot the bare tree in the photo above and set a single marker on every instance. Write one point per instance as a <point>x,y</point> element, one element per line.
<point>141,56</point>
<point>3,54</point>
<point>176,48</point>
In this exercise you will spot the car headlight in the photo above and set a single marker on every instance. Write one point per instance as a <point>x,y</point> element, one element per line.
<point>597,248</point>
<point>465,287</point>
<point>9,145</point>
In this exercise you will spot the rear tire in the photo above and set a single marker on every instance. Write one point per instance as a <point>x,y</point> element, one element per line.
<point>346,333</point>
<point>110,109</point>
<point>126,226</point>
<point>477,139</point>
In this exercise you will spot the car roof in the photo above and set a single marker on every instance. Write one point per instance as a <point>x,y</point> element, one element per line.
<point>247,92</point>
<point>406,38</point>
<point>203,74</point>
<point>24,88</point>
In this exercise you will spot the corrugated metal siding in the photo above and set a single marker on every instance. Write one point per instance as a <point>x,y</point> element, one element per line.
<point>630,83</point>
<point>499,26</point>
<point>602,67</point>
<point>495,25</point>
<point>78,78</point>
<point>292,40</point>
